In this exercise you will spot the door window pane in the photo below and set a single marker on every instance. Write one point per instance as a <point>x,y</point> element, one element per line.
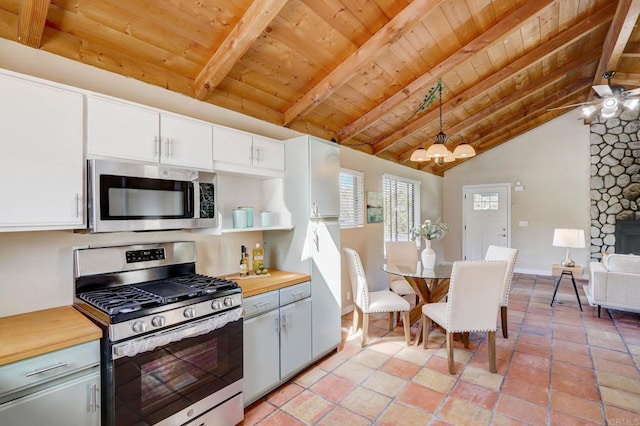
<point>487,201</point>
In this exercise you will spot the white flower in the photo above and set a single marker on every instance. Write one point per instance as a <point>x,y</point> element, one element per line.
<point>430,231</point>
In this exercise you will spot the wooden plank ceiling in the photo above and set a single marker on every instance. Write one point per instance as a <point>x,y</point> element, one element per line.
<point>354,71</point>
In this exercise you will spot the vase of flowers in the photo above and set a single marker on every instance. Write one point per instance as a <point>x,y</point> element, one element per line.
<point>429,230</point>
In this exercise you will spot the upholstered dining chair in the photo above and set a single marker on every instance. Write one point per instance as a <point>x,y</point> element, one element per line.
<point>367,302</point>
<point>509,255</point>
<point>401,252</point>
<point>472,305</point>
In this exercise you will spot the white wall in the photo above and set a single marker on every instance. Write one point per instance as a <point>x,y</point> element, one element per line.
<point>369,241</point>
<point>552,161</point>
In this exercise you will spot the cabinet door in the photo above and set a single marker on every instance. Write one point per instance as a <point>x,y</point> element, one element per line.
<point>232,146</point>
<point>41,166</point>
<point>268,153</point>
<point>295,336</point>
<point>122,130</point>
<point>74,402</point>
<point>325,286</point>
<point>186,142</point>
<point>324,164</point>
<point>261,357</point>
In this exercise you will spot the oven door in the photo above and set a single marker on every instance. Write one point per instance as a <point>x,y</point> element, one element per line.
<point>173,377</point>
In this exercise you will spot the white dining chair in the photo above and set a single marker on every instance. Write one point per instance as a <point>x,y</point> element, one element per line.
<point>509,255</point>
<point>472,305</point>
<point>401,252</point>
<point>367,302</point>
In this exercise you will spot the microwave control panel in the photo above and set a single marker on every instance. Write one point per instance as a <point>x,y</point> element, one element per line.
<point>207,202</point>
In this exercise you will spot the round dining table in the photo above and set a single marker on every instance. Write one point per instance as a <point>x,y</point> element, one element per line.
<point>431,285</point>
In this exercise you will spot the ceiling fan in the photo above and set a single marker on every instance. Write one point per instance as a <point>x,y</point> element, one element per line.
<point>608,100</point>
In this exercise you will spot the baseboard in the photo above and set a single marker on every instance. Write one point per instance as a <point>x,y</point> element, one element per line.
<point>545,272</point>
<point>347,309</point>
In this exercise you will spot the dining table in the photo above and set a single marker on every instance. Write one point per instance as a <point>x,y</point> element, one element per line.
<point>431,285</point>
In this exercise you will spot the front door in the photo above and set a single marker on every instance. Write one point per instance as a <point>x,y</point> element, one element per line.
<point>486,218</point>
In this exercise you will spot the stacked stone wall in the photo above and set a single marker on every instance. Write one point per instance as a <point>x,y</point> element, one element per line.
<point>615,177</point>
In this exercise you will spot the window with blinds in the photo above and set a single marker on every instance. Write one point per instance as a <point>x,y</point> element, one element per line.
<point>351,199</point>
<point>401,207</point>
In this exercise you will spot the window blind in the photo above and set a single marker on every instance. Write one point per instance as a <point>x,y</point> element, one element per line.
<point>351,198</point>
<point>401,207</point>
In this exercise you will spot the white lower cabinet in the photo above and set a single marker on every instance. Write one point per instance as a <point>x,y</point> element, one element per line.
<point>277,338</point>
<point>62,405</point>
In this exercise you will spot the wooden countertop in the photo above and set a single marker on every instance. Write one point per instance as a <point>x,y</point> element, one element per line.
<point>256,284</point>
<point>35,333</point>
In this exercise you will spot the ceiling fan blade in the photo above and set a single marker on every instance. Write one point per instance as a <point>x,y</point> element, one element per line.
<point>603,90</point>
<point>568,106</point>
<point>632,92</point>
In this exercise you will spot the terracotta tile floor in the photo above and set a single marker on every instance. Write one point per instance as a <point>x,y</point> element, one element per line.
<point>558,367</point>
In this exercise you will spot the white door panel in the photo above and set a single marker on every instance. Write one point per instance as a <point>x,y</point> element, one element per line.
<point>486,217</point>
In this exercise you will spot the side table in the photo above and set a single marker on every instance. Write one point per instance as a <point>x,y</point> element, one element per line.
<point>559,271</point>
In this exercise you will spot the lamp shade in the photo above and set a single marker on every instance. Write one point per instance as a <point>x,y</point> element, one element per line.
<point>573,238</point>
<point>420,154</point>
<point>464,150</point>
<point>438,150</point>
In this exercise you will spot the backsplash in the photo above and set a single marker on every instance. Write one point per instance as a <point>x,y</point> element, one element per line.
<point>615,177</point>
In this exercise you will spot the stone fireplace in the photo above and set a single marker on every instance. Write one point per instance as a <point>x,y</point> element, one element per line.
<point>615,184</point>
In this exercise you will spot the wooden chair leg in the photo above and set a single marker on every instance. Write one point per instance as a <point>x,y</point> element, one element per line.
<point>365,328</point>
<point>425,330</point>
<point>503,315</point>
<point>465,339</point>
<point>407,327</point>
<point>450,361</point>
<point>355,318</point>
<point>492,352</point>
<point>391,315</point>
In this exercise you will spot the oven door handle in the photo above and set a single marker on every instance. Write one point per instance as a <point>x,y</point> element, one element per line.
<point>148,343</point>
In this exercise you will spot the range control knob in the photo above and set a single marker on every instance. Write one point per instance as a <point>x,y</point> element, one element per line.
<point>158,321</point>
<point>139,327</point>
<point>228,301</point>
<point>189,313</point>
<point>216,305</point>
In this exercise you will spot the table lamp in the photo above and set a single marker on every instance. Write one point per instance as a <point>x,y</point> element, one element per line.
<point>568,238</point>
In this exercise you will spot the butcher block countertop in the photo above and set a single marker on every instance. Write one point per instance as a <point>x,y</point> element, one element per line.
<point>35,333</point>
<point>257,284</point>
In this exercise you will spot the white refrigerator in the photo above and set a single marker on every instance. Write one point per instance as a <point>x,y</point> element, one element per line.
<point>312,195</point>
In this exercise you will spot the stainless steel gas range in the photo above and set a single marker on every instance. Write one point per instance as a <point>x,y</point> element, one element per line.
<point>172,345</point>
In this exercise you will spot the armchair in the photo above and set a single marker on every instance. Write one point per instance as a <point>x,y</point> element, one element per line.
<point>615,282</point>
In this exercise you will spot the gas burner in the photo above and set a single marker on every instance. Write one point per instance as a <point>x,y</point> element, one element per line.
<point>206,284</point>
<point>120,299</point>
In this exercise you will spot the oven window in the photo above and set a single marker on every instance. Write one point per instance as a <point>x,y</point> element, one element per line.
<point>123,197</point>
<point>152,386</point>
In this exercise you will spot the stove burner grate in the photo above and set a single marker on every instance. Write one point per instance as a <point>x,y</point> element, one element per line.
<point>205,283</point>
<point>120,300</point>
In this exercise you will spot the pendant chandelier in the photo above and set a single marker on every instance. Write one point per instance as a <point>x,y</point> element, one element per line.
<point>438,150</point>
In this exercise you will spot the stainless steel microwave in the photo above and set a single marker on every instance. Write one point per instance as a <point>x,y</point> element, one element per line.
<point>147,197</point>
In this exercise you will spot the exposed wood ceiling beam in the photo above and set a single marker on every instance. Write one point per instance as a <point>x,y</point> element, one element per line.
<point>518,96</point>
<point>581,29</point>
<point>372,48</point>
<point>31,20</point>
<point>251,25</point>
<point>496,32</point>
<point>619,32</point>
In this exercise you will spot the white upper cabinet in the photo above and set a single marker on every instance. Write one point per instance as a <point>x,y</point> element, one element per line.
<point>240,152</point>
<point>324,185</point>
<point>135,132</point>
<point>41,165</point>
<point>186,142</point>
<point>116,129</point>
<point>268,153</point>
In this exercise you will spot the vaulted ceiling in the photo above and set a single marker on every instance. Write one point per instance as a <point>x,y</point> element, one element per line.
<point>355,71</point>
